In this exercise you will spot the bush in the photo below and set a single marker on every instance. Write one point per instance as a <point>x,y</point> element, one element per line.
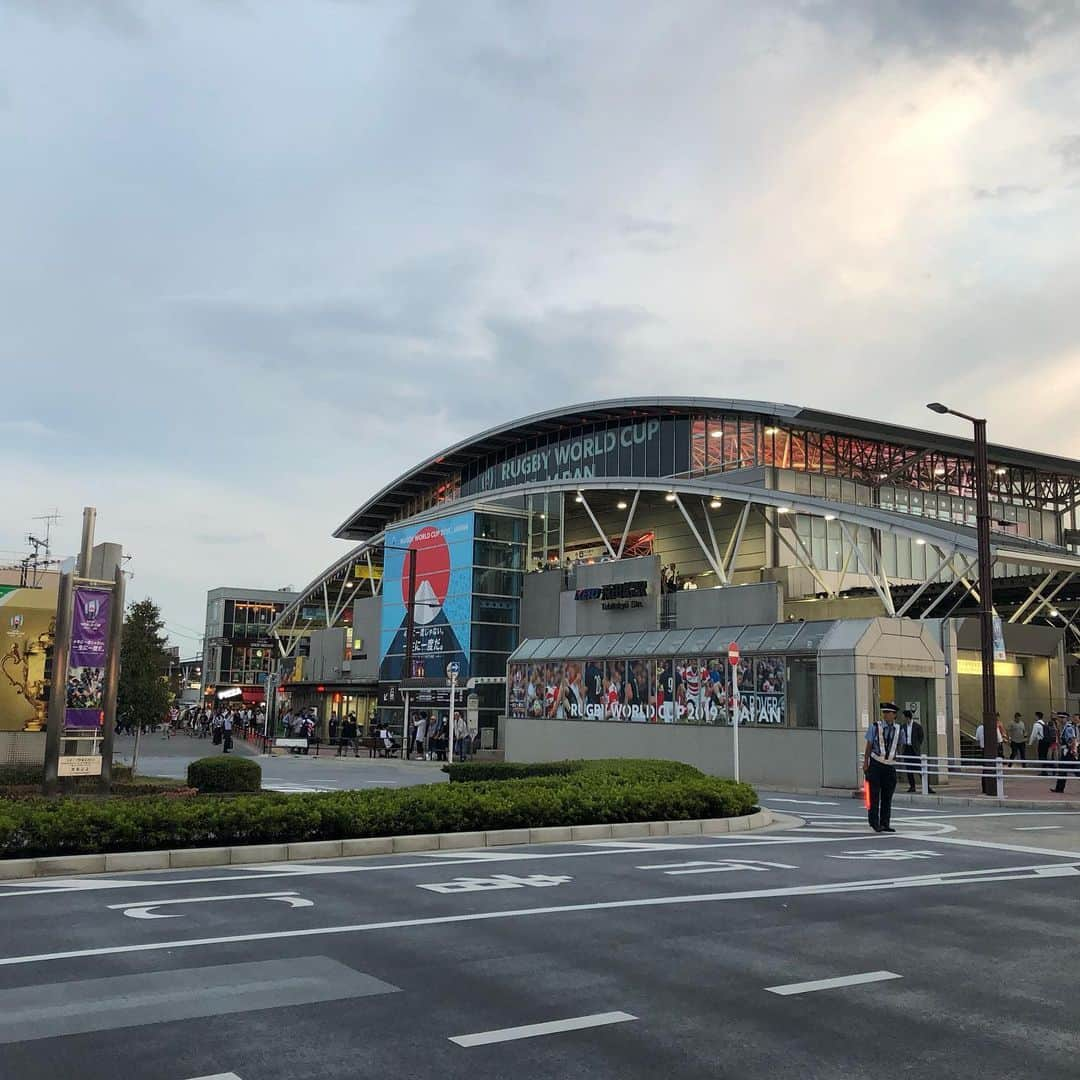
<point>224,774</point>
<point>627,770</point>
<point>586,793</point>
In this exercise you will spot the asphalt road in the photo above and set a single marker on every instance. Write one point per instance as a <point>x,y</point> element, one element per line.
<point>159,756</point>
<point>954,940</point>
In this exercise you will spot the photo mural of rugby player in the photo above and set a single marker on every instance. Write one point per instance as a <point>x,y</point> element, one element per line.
<point>682,690</point>
<point>442,604</point>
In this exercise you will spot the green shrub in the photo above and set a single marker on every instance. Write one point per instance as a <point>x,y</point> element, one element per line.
<point>628,770</point>
<point>588,793</point>
<point>224,774</point>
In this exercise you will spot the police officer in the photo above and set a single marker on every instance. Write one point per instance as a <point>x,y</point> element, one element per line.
<point>879,766</point>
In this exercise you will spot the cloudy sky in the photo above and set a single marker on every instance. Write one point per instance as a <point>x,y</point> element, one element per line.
<point>259,256</point>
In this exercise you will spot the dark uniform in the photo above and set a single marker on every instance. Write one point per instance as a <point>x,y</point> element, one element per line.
<point>879,766</point>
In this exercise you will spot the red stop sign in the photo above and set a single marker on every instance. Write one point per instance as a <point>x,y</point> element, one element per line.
<point>733,654</point>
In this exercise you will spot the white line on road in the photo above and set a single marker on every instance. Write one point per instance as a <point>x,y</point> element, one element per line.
<point>802,802</point>
<point>144,910</point>
<point>988,876</point>
<point>832,984</point>
<point>1035,828</point>
<point>218,1076</point>
<point>553,1027</point>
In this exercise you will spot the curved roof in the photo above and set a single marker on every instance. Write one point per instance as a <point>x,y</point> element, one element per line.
<point>383,507</point>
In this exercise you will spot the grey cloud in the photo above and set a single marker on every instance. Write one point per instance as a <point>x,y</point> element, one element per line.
<point>1068,149</point>
<point>928,27</point>
<point>125,18</point>
<point>1004,191</point>
<point>229,538</point>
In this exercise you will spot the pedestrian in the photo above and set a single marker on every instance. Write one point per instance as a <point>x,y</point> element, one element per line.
<point>348,737</point>
<point>1067,766</point>
<point>879,766</point>
<point>219,725</point>
<point>226,732</point>
<point>420,735</point>
<point>1070,729</point>
<point>911,743</point>
<point>1017,739</point>
<point>461,737</point>
<point>1037,738</point>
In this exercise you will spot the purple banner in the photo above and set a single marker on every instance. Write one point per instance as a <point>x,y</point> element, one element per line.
<point>86,659</point>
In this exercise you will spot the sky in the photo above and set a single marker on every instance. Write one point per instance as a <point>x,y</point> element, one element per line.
<point>261,256</point>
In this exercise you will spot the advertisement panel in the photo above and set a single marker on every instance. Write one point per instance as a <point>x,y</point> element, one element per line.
<point>86,658</point>
<point>442,602</point>
<point>684,690</point>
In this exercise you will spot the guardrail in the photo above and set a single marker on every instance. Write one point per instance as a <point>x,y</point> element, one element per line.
<point>926,767</point>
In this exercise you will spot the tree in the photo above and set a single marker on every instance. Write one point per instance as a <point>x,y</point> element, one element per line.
<point>144,696</point>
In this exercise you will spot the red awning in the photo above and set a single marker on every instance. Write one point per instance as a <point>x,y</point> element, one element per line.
<point>252,697</point>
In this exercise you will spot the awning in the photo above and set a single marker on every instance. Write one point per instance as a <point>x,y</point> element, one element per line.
<point>253,696</point>
<point>1048,560</point>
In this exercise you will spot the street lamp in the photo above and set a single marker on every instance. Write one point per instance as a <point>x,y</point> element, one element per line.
<point>986,601</point>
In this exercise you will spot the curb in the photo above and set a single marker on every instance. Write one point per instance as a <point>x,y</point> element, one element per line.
<point>248,855</point>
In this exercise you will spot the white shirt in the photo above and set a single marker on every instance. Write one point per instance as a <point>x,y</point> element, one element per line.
<point>1036,735</point>
<point>979,737</point>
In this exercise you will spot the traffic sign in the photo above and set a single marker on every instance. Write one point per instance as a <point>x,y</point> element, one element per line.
<point>453,669</point>
<point>733,654</point>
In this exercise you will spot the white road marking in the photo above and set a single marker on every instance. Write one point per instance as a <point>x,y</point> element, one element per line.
<point>802,802</point>
<point>496,882</point>
<point>271,871</point>
<point>1022,849</point>
<point>896,855</point>
<point>145,910</point>
<point>478,856</point>
<point>990,876</point>
<point>553,1027</point>
<point>716,867</point>
<point>1036,828</point>
<point>833,984</point>
<point>218,1076</point>
<point>1057,871</point>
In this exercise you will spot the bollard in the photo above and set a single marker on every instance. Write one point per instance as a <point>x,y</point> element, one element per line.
<point>924,775</point>
<point>999,770</point>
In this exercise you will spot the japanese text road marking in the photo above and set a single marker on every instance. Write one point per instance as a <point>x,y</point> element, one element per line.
<point>498,881</point>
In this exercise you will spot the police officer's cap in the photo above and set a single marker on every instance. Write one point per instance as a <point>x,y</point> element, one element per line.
<point>889,706</point>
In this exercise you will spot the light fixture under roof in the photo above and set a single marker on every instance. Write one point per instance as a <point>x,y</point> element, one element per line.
<point>783,509</point>
<point>772,431</point>
<point>670,496</point>
<point>939,471</point>
<point>716,434</point>
<point>883,476</point>
<point>830,517</point>
<point>579,497</point>
<point>716,504</point>
<point>1000,471</point>
<point>920,540</point>
<point>621,504</point>
<point>1054,613</point>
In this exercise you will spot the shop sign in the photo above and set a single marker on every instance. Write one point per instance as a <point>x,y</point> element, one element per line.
<point>617,596</point>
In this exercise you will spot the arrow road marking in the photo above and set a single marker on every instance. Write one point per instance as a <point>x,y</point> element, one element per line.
<point>145,910</point>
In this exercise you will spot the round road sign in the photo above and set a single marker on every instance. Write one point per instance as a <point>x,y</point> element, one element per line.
<point>733,654</point>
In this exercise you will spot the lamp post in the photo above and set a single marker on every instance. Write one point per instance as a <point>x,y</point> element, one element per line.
<point>986,601</point>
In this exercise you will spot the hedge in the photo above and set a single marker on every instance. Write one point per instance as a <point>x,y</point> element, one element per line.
<point>589,795</point>
<point>224,774</point>
<point>628,770</point>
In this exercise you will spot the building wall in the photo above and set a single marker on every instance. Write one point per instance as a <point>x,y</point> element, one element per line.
<point>790,758</point>
<point>749,604</point>
<point>590,615</point>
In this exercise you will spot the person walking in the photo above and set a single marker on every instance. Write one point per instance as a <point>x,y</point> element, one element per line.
<point>226,732</point>
<point>1067,765</point>
<point>911,743</point>
<point>348,737</point>
<point>1017,739</point>
<point>1037,739</point>
<point>420,734</point>
<point>879,766</point>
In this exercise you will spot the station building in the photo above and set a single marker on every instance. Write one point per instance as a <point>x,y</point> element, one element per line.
<point>586,569</point>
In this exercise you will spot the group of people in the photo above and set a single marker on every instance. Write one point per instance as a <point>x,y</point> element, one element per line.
<point>212,722</point>
<point>1056,740</point>
<point>431,734</point>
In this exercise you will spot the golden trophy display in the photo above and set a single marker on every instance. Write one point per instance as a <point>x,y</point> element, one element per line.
<point>15,665</point>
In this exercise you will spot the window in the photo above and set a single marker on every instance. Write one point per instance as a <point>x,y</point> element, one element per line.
<point>487,609</point>
<point>499,554</point>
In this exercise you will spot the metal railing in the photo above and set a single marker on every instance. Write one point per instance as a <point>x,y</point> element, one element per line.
<point>928,769</point>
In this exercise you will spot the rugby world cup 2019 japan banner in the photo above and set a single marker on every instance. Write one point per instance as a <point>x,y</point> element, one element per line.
<point>86,659</point>
<point>441,603</point>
